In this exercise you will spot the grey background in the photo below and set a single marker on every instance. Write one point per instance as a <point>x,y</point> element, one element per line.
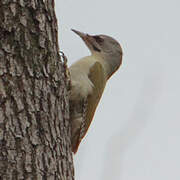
<point>136,129</point>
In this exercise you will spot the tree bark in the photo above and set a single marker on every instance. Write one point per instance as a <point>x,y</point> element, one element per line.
<point>34,110</point>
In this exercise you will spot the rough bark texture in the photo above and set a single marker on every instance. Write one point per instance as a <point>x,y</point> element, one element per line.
<point>34,126</point>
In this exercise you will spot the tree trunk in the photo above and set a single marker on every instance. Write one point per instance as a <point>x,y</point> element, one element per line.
<point>34,111</point>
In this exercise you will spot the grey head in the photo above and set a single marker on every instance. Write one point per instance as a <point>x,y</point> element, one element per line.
<point>106,47</point>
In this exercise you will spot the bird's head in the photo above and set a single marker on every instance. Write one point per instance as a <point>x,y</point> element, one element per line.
<point>104,46</point>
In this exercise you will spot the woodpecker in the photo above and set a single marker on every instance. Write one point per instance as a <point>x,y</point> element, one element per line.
<point>88,79</point>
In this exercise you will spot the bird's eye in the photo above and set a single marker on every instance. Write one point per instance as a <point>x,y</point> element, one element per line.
<point>98,39</point>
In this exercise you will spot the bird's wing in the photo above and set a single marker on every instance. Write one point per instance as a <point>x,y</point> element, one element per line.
<point>97,77</point>
<point>85,108</point>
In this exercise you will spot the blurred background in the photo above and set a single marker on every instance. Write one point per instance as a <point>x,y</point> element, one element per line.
<point>135,133</point>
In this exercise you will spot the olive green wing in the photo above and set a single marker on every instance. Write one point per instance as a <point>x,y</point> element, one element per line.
<point>88,106</point>
<point>97,77</point>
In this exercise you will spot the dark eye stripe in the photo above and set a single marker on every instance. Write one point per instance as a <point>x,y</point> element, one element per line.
<point>98,39</point>
<point>96,49</point>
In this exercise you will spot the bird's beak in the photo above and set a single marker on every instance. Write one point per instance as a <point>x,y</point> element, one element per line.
<point>81,34</point>
<point>85,37</point>
<point>88,39</point>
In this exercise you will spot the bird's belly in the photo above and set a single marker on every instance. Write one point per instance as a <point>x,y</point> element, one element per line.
<point>81,87</point>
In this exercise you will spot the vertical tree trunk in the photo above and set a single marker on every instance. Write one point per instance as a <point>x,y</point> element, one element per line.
<point>34,126</point>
